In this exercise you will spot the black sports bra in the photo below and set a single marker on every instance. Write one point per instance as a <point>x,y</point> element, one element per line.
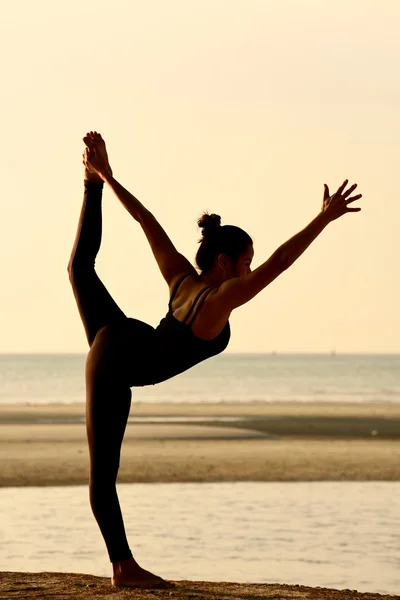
<point>177,346</point>
<point>197,304</point>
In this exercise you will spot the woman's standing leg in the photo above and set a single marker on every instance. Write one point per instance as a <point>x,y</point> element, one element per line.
<point>107,410</point>
<point>108,403</point>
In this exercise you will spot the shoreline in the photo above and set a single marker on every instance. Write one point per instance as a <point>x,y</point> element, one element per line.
<point>388,409</point>
<point>46,445</point>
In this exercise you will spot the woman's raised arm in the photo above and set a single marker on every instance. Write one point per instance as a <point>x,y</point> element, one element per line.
<point>238,291</point>
<point>169,260</point>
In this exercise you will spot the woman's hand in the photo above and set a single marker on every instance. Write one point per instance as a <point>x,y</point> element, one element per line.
<point>336,205</point>
<point>95,163</point>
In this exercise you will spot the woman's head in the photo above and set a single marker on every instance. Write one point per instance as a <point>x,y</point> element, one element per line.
<point>226,246</point>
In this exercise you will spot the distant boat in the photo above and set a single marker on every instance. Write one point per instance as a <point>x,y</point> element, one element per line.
<point>333,352</point>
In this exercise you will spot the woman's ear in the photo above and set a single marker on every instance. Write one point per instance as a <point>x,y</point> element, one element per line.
<point>222,261</point>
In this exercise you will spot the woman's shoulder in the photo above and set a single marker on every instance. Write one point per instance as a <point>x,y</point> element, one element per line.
<point>191,279</point>
<point>185,290</point>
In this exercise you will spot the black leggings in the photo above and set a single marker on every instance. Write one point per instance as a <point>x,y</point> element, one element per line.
<point>108,395</point>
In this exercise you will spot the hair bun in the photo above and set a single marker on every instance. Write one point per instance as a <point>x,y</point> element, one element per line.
<point>208,223</point>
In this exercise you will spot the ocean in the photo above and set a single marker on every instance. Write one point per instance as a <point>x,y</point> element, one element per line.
<point>371,378</point>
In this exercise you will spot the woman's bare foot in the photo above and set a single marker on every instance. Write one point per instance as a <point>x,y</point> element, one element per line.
<point>128,573</point>
<point>90,174</point>
<point>95,142</point>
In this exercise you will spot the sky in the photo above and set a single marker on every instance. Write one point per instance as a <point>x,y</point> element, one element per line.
<point>242,107</point>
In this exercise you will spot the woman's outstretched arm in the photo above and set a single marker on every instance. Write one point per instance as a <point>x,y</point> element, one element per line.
<point>170,261</point>
<point>238,291</point>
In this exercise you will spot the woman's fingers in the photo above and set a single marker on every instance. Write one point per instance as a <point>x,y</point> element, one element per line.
<point>337,204</point>
<point>351,189</point>
<point>353,198</point>
<point>341,188</point>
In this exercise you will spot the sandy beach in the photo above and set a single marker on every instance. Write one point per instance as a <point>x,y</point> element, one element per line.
<point>46,445</point>
<point>63,586</point>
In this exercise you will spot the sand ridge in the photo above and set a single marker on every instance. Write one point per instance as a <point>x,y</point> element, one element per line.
<point>46,445</point>
<point>17,412</point>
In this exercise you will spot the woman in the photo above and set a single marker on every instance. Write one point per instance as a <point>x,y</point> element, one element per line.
<point>126,352</point>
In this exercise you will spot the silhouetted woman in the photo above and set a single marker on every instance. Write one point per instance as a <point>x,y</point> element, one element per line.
<point>125,352</point>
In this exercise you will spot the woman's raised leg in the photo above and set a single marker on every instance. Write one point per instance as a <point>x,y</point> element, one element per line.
<point>96,306</point>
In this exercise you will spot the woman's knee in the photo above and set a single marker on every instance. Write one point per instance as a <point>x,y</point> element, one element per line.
<point>78,270</point>
<point>103,474</point>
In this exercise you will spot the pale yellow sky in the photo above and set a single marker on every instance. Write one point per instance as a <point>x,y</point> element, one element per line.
<point>244,107</point>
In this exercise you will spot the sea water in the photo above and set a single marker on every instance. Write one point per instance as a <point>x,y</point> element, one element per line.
<point>59,378</point>
<point>344,535</point>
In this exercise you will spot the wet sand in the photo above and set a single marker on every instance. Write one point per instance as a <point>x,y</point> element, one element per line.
<point>268,442</point>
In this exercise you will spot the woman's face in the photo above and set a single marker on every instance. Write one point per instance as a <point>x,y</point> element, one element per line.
<point>243,263</point>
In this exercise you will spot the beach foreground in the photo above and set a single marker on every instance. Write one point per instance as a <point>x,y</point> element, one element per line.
<point>62,586</point>
<point>46,445</point>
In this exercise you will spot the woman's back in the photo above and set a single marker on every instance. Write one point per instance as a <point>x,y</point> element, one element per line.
<point>178,346</point>
<point>194,303</point>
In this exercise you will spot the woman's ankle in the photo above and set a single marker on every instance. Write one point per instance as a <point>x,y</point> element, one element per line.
<point>121,566</point>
